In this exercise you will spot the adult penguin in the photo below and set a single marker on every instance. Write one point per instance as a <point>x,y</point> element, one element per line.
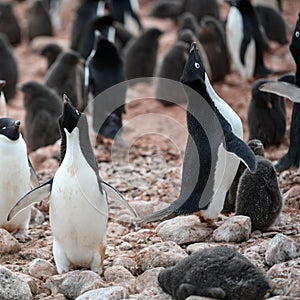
<point>78,198</point>
<point>245,41</point>
<point>213,151</point>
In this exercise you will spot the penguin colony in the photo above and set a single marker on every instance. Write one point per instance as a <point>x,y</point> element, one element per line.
<point>109,45</point>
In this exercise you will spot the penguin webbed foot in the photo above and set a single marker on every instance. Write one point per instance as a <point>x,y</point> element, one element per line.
<point>21,236</point>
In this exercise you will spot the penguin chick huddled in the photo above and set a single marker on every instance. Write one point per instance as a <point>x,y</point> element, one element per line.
<point>51,51</point>
<point>266,116</point>
<point>39,21</point>
<point>105,70</point>
<point>141,55</point>
<point>43,107</point>
<point>258,195</point>
<point>66,76</point>
<point>8,68</point>
<point>218,273</point>
<point>14,178</point>
<point>9,24</point>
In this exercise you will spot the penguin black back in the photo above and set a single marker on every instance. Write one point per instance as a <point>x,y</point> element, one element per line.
<point>51,51</point>
<point>9,24</point>
<point>8,68</point>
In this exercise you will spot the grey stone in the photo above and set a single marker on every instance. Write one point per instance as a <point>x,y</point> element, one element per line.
<point>8,244</point>
<point>74,283</point>
<point>30,281</point>
<point>284,298</point>
<point>12,287</point>
<point>109,293</point>
<point>163,254</point>
<point>234,229</point>
<point>148,280</point>
<point>41,269</point>
<point>198,298</point>
<point>183,230</point>
<point>126,262</point>
<point>200,246</point>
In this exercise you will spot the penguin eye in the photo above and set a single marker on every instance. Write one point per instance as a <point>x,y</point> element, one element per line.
<point>197,65</point>
<point>297,34</point>
<point>3,128</point>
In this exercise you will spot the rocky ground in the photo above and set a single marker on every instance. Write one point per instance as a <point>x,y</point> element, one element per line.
<point>148,173</point>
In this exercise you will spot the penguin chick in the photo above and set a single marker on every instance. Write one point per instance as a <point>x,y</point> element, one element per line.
<point>43,106</point>
<point>166,9</point>
<point>67,76</point>
<point>78,198</point>
<point>212,36</point>
<point>140,55</point>
<point>39,21</point>
<point>245,41</point>
<point>171,67</point>
<point>9,24</point>
<point>266,116</point>
<point>8,68</point>
<point>51,51</point>
<point>258,195</point>
<point>212,127</point>
<point>188,21</point>
<point>15,181</point>
<point>3,108</point>
<point>105,68</point>
<point>229,205</point>
<point>219,273</point>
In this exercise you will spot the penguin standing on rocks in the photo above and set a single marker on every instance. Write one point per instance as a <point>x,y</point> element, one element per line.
<point>213,150</point>
<point>245,41</point>
<point>78,198</point>
<point>9,24</point>
<point>292,157</point>
<point>258,195</point>
<point>51,52</point>
<point>39,21</point>
<point>104,70</point>
<point>43,107</point>
<point>15,181</point>
<point>67,76</point>
<point>141,54</point>
<point>8,68</point>
<point>229,205</point>
<point>266,116</point>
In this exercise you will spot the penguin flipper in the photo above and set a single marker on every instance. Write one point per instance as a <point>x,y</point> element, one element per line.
<point>34,179</point>
<point>283,89</point>
<point>114,194</point>
<point>36,195</point>
<point>161,215</point>
<point>238,147</point>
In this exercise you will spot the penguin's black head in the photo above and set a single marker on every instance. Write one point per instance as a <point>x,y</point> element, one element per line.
<point>10,128</point>
<point>257,147</point>
<point>70,116</point>
<point>69,57</point>
<point>51,50</point>
<point>32,88</point>
<point>2,84</point>
<point>295,44</point>
<point>194,72</point>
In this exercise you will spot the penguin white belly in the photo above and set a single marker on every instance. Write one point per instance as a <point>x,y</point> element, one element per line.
<point>14,182</point>
<point>78,214</point>
<point>234,34</point>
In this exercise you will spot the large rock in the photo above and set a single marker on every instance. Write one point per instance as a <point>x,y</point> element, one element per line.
<point>41,269</point>
<point>8,244</point>
<point>74,283</point>
<point>183,230</point>
<point>109,293</point>
<point>126,262</point>
<point>285,278</point>
<point>281,248</point>
<point>234,229</point>
<point>163,254</point>
<point>12,287</point>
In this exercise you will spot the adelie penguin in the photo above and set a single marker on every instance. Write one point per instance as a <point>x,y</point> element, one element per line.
<point>8,68</point>
<point>78,198</point>
<point>66,75</point>
<point>9,24</point>
<point>292,157</point>
<point>43,107</point>
<point>214,148</point>
<point>244,39</point>
<point>104,69</point>
<point>15,181</point>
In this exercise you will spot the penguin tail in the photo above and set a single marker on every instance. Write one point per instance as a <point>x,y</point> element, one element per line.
<point>161,215</point>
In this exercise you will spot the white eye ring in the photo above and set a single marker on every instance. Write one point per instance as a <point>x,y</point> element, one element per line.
<point>197,65</point>
<point>4,127</point>
<point>77,112</point>
<point>297,34</point>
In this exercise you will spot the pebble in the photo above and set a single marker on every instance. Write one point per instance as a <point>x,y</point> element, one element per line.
<point>8,244</point>
<point>109,293</point>
<point>41,269</point>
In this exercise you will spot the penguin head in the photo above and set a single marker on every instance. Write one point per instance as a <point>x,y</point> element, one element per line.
<point>194,72</point>
<point>69,57</point>
<point>51,50</point>
<point>70,116</point>
<point>295,43</point>
<point>10,128</point>
<point>257,147</point>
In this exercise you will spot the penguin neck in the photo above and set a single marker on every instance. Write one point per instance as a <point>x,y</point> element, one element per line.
<point>8,146</point>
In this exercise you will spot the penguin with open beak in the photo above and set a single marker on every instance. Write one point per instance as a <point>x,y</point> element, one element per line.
<point>78,198</point>
<point>214,148</point>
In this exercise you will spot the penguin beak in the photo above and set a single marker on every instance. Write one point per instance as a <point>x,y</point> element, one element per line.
<point>193,47</point>
<point>17,124</point>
